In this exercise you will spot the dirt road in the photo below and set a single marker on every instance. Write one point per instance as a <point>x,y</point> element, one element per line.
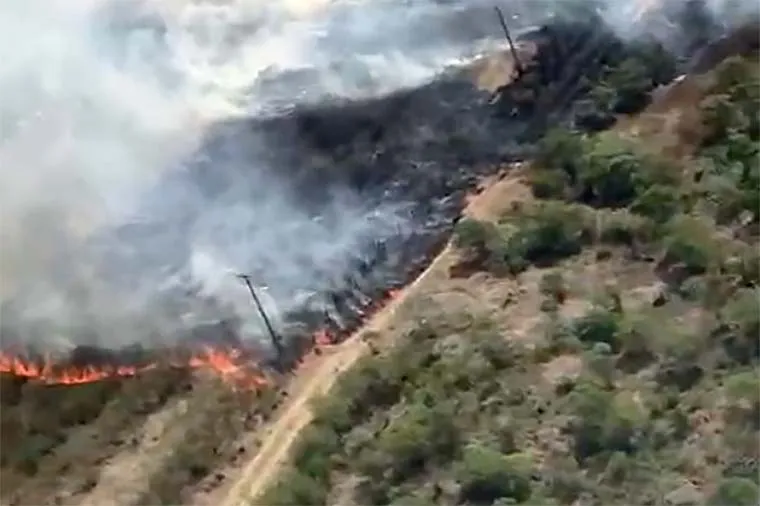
<point>321,372</point>
<point>314,381</point>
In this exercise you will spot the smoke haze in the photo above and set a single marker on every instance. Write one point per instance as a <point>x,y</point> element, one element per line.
<point>102,100</point>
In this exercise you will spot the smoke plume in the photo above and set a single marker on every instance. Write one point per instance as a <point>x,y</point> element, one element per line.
<point>102,100</point>
<point>104,104</point>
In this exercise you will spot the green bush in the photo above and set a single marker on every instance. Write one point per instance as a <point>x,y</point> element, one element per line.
<point>599,325</point>
<point>743,395</point>
<point>605,422</point>
<point>735,492</point>
<point>692,242</point>
<point>637,337</point>
<point>476,234</point>
<point>617,226</point>
<point>737,89</point>
<point>295,488</point>
<point>553,285</point>
<point>632,83</point>
<point>548,233</point>
<point>561,150</point>
<point>313,451</point>
<point>741,312</point>
<point>588,404</point>
<point>548,184</point>
<point>658,202</point>
<point>485,246</point>
<point>616,171</point>
<point>486,475</point>
<point>417,436</point>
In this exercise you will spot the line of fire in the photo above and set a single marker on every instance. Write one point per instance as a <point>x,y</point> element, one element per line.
<point>373,148</point>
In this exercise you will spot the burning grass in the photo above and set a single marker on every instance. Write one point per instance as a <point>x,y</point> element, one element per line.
<point>236,366</point>
<point>100,397</point>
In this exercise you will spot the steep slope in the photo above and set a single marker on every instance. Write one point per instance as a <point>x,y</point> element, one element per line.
<point>598,347</point>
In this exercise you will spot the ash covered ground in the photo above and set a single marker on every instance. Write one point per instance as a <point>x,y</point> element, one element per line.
<point>314,168</point>
<point>327,195</point>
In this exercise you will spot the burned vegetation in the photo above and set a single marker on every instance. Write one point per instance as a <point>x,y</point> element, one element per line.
<point>427,148</point>
<point>621,366</point>
<point>424,149</point>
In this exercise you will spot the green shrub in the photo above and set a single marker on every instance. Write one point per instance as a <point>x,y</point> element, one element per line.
<point>548,233</point>
<point>637,337</point>
<point>486,475</point>
<point>617,226</point>
<point>692,242</point>
<point>632,83</point>
<point>616,171</point>
<point>295,488</point>
<point>658,202</point>
<point>741,312</point>
<point>735,492</point>
<point>313,450</point>
<point>599,325</point>
<point>419,435</point>
<point>553,285</point>
<point>604,422</point>
<point>471,233</point>
<point>743,395</point>
<point>561,150</point>
<point>548,184</point>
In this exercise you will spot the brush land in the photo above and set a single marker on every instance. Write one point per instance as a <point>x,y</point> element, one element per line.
<point>590,336</point>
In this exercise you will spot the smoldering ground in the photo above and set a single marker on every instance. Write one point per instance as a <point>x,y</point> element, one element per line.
<point>131,197</point>
<point>104,107</point>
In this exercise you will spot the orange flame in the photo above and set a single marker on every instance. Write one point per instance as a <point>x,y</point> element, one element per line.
<point>230,365</point>
<point>233,366</point>
<point>322,338</point>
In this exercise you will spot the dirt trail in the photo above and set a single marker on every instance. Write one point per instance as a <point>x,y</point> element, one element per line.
<point>318,376</point>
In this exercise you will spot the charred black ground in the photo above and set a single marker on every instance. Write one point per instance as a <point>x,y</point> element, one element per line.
<point>424,148</point>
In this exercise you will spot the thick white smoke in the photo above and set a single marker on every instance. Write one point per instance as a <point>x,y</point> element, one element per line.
<point>100,98</point>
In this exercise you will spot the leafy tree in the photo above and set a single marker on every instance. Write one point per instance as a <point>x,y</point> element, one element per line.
<point>632,82</point>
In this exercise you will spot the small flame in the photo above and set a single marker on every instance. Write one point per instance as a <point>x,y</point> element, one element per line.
<point>232,365</point>
<point>322,338</point>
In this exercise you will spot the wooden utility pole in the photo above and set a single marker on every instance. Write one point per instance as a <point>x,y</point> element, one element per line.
<point>518,63</point>
<point>276,342</point>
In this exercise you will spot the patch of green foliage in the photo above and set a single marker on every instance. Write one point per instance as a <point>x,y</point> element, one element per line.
<point>458,415</point>
<point>731,148</point>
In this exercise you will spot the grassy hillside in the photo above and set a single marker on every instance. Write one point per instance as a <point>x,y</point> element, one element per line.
<point>617,363</point>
